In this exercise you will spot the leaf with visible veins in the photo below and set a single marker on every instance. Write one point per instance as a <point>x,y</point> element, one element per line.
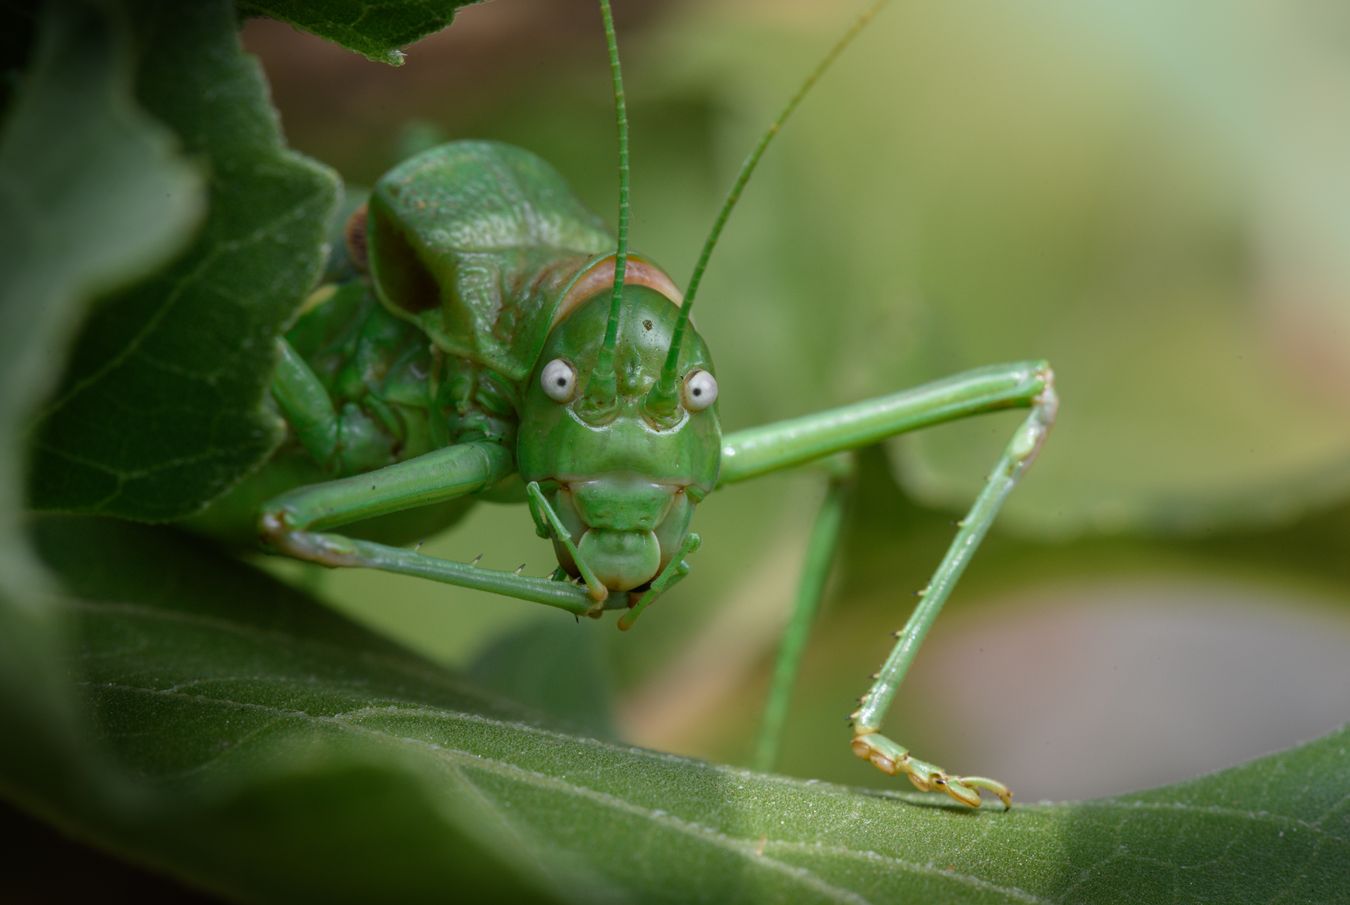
<point>161,409</point>
<point>305,757</point>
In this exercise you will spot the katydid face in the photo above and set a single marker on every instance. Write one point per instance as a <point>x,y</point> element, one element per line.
<point>624,483</point>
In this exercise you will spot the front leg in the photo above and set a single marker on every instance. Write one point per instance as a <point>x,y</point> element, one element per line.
<point>674,572</point>
<point>549,525</point>
<point>294,522</point>
<point>786,444</point>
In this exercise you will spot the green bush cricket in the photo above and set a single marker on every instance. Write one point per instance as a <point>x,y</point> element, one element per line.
<point>500,343</point>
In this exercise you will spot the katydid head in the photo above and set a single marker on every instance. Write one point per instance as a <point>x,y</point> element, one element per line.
<point>623,480</point>
<point>619,421</point>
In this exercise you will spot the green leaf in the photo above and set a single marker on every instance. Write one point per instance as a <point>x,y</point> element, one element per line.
<point>525,665</point>
<point>75,222</point>
<point>376,31</point>
<point>162,407</point>
<point>294,755</point>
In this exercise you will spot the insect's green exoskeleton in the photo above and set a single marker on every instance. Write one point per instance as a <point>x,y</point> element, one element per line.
<point>502,343</point>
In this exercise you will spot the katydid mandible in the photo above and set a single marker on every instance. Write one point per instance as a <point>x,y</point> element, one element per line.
<point>499,342</point>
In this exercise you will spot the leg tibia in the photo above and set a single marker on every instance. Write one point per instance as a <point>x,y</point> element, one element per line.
<point>810,589</point>
<point>1014,461</point>
<point>336,551</point>
<point>787,444</point>
<point>294,522</point>
<point>868,743</point>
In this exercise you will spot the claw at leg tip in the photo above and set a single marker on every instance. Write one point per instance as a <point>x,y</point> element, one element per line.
<point>961,792</point>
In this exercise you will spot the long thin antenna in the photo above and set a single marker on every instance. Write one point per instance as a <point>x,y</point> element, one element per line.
<point>663,397</point>
<point>602,386</point>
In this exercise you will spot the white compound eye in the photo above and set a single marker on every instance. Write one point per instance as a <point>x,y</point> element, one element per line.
<point>700,390</point>
<point>559,380</point>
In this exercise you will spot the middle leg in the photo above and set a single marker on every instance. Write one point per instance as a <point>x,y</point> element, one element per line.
<point>820,549</point>
<point>297,522</point>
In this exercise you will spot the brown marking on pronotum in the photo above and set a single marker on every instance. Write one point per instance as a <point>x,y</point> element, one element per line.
<point>599,277</point>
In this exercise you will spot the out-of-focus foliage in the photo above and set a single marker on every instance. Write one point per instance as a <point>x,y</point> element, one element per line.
<point>72,225</point>
<point>1149,195</point>
<point>1154,197</point>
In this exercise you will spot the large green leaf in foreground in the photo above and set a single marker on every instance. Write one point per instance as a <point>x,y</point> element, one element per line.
<point>286,753</point>
<point>162,409</point>
<point>73,225</point>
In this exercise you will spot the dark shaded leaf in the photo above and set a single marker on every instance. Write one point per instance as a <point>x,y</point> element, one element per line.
<point>376,31</point>
<point>48,867</point>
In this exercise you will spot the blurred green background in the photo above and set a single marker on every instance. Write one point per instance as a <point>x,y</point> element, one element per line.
<point>1154,196</point>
